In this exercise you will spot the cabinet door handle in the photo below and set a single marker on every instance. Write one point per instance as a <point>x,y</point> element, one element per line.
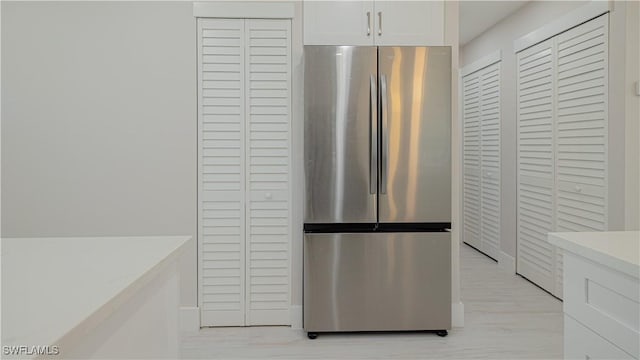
<point>380,23</point>
<point>368,23</point>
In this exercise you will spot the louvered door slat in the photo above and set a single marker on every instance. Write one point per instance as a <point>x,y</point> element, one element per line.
<point>581,131</point>
<point>490,159</point>
<point>268,183</point>
<point>535,114</point>
<point>221,171</point>
<point>471,159</point>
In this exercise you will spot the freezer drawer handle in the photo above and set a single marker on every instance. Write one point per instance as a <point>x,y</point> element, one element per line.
<point>373,142</point>
<point>385,135</point>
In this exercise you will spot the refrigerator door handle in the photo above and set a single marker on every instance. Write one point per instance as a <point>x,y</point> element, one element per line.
<point>384,163</point>
<point>373,142</point>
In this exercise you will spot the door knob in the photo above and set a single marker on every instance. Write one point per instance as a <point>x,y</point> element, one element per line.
<point>267,196</point>
<point>578,188</point>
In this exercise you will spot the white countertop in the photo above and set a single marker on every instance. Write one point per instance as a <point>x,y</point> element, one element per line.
<point>619,250</point>
<point>51,286</point>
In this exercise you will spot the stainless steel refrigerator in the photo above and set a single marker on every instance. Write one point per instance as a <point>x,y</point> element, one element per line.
<point>377,253</point>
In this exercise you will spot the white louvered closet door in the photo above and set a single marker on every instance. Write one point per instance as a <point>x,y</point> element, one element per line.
<point>244,168</point>
<point>562,151</point>
<point>471,159</point>
<point>535,115</point>
<point>221,185</point>
<point>581,131</point>
<point>268,111</point>
<point>481,152</point>
<point>490,159</point>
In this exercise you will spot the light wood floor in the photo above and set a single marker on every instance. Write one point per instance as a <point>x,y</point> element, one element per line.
<point>506,317</point>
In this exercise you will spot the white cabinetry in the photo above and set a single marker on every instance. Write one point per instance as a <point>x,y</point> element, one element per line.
<point>481,159</point>
<point>562,145</point>
<point>601,294</point>
<point>244,90</point>
<point>391,23</point>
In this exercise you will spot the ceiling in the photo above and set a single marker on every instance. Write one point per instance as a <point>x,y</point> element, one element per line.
<point>478,16</point>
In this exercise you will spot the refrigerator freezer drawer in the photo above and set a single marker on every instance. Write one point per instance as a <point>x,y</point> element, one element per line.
<point>377,281</point>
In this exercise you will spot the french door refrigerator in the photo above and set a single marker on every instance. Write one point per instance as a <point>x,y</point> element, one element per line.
<point>377,251</point>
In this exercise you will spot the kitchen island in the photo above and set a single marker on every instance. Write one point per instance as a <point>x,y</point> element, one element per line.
<point>601,294</point>
<point>91,297</point>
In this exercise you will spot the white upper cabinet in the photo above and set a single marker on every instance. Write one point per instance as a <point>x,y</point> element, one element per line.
<point>409,23</point>
<point>338,22</point>
<point>386,23</point>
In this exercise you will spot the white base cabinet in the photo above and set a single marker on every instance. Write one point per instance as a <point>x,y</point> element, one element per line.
<point>601,294</point>
<point>581,342</point>
<point>604,301</point>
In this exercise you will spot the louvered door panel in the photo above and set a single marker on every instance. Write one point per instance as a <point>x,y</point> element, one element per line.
<point>268,111</point>
<point>471,159</point>
<point>221,175</point>
<point>535,113</point>
<point>244,167</point>
<point>490,159</point>
<point>581,131</point>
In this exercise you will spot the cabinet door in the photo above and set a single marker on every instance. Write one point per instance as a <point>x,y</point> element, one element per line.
<point>268,109</point>
<point>409,23</point>
<point>221,182</point>
<point>338,22</point>
<point>535,195</point>
<point>471,159</point>
<point>581,130</point>
<point>490,159</point>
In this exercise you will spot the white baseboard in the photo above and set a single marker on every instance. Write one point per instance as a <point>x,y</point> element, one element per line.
<point>189,319</point>
<point>457,314</point>
<point>296,316</point>
<point>507,263</point>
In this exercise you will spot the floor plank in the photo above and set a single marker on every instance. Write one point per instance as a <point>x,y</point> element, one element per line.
<point>506,317</point>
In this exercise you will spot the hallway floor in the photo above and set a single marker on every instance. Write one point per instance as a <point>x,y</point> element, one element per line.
<point>506,317</point>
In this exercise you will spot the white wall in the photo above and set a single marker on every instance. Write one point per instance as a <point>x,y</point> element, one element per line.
<point>99,121</point>
<point>530,17</point>
<point>632,131</point>
<point>617,123</point>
